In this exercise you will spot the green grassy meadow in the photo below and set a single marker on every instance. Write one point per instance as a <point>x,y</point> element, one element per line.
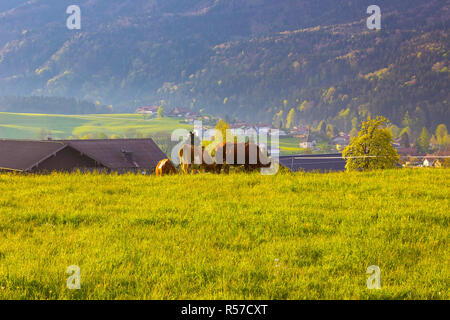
<point>29,126</point>
<point>290,146</point>
<point>26,126</point>
<point>237,236</point>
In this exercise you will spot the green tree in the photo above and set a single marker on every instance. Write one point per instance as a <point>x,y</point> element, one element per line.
<point>395,131</point>
<point>417,145</point>
<point>406,120</point>
<point>419,120</point>
<point>101,135</point>
<point>160,112</point>
<point>446,141</point>
<point>406,130</point>
<point>353,133</point>
<point>88,136</point>
<point>290,118</point>
<point>343,120</point>
<point>404,140</point>
<point>278,120</point>
<point>372,148</point>
<point>355,122</point>
<point>42,134</point>
<point>331,131</point>
<point>441,133</point>
<point>223,126</point>
<point>322,128</point>
<point>425,137</point>
<point>434,142</point>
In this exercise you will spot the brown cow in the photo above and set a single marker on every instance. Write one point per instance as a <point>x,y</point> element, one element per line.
<point>165,167</point>
<point>235,154</point>
<point>195,157</point>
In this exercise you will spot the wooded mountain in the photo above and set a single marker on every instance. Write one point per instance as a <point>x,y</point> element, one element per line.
<point>51,105</point>
<point>255,59</point>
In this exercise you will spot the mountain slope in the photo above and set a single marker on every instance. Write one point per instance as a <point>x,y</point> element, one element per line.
<point>250,59</point>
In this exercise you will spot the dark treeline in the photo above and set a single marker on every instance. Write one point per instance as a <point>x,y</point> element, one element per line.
<point>50,105</point>
<point>255,60</point>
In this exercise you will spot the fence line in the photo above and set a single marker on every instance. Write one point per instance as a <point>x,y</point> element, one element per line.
<point>363,157</point>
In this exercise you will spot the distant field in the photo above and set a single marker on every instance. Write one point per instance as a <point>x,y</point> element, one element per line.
<point>290,146</point>
<point>27,126</point>
<point>290,236</point>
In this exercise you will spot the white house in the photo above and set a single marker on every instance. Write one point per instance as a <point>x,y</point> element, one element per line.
<point>431,162</point>
<point>309,143</point>
<point>341,140</point>
<point>148,110</point>
<point>274,132</point>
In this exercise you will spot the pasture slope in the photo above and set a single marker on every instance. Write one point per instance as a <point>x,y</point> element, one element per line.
<point>290,236</point>
<point>27,126</point>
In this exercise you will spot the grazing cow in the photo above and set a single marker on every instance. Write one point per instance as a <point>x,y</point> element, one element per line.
<point>165,167</point>
<point>235,154</point>
<point>195,157</point>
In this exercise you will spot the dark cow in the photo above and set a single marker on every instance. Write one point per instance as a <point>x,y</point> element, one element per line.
<point>195,157</point>
<point>236,154</point>
<point>165,167</point>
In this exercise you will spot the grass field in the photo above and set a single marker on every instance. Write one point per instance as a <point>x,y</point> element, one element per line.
<point>291,146</point>
<point>290,236</point>
<point>27,126</point>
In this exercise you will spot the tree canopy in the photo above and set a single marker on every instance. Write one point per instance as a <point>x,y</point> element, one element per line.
<point>372,148</point>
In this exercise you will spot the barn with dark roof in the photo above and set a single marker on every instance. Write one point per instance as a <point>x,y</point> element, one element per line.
<point>115,155</point>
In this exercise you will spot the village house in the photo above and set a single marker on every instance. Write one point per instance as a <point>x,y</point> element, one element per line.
<point>151,110</point>
<point>247,130</point>
<point>116,155</point>
<point>280,132</point>
<point>412,162</point>
<point>182,112</point>
<point>263,129</point>
<point>264,125</point>
<point>431,161</point>
<point>341,139</point>
<point>308,142</point>
<point>191,117</point>
<point>299,132</point>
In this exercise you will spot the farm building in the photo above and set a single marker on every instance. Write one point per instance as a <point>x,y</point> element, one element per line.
<point>148,110</point>
<point>308,142</point>
<point>314,162</point>
<point>118,155</point>
<point>183,112</point>
<point>431,161</point>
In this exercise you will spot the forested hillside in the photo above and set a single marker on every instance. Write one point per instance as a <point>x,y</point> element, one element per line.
<point>259,60</point>
<point>51,105</point>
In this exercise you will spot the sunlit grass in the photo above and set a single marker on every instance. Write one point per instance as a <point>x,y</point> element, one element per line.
<point>290,236</point>
<point>27,125</point>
